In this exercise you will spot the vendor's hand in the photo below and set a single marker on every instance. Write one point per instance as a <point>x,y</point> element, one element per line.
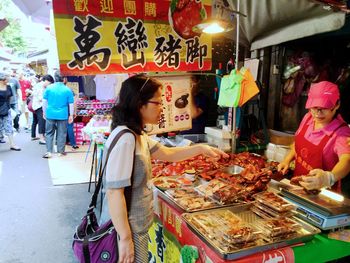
<point>317,179</point>
<point>213,152</point>
<point>70,119</point>
<point>44,116</point>
<point>126,250</point>
<point>283,167</point>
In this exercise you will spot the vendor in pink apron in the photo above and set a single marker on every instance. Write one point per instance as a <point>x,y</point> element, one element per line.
<point>321,150</point>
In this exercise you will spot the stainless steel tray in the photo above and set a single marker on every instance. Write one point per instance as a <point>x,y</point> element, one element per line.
<point>306,233</point>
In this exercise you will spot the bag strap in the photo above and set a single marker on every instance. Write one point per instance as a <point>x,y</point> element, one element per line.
<point>99,183</point>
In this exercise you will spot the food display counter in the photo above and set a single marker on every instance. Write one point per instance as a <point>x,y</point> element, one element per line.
<point>171,236</point>
<point>219,221</point>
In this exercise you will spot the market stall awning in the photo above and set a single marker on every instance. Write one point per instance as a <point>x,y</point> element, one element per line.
<point>271,22</point>
<point>4,56</point>
<point>38,57</point>
<point>268,22</point>
<point>38,10</point>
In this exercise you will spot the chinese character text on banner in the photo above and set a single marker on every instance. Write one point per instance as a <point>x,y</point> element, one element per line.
<point>112,36</point>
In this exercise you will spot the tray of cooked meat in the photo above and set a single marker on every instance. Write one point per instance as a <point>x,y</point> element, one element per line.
<point>267,212</point>
<point>274,202</point>
<point>235,232</point>
<point>225,229</point>
<point>221,191</point>
<point>170,182</point>
<point>187,199</point>
<point>276,229</point>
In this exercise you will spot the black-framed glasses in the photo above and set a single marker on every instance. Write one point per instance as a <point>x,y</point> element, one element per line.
<point>321,110</point>
<point>155,102</point>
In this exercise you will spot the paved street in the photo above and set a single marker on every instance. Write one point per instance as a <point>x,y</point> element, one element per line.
<point>37,219</point>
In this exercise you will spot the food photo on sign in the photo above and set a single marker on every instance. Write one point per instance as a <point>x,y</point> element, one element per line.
<point>176,115</point>
<point>184,15</point>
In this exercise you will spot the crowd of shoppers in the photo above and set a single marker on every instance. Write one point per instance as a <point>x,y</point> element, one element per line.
<point>46,106</point>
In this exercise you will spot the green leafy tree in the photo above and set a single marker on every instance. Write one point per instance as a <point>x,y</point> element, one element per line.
<point>11,36</point>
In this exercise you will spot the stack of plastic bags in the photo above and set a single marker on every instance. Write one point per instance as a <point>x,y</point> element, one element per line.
<point>237,88</point>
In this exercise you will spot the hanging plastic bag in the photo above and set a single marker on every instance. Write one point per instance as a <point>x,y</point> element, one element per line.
<point>248,87</point>
<point>230,89</point>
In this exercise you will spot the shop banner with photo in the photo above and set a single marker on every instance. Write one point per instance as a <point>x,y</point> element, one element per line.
<point>113,36</point>
<point>176,98</point>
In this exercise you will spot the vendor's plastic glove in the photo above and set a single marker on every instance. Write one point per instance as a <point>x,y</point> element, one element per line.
<point>317,179</point>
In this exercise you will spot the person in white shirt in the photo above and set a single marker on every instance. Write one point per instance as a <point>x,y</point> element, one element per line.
<point>37,105</point>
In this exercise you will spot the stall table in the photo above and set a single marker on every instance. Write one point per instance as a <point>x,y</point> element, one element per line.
<point>169,233</point>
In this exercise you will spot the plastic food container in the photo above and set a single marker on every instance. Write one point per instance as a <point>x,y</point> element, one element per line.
<point>278,228</point>
<point>209,188</point>
<point>164,183</point>
<point>241,233</point>
<point>181,192</point>
<point>195,202</point>
<point>274,201</point>
<point>271,212</point>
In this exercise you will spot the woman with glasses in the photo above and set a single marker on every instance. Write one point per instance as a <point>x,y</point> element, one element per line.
<point>129,164</point>
<point>321,150</point>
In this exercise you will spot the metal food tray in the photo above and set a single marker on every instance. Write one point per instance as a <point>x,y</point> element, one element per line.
<point>179,207</point>
<point>306,233</point>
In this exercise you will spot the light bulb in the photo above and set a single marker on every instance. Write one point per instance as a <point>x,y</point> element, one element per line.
<point>213,28</point>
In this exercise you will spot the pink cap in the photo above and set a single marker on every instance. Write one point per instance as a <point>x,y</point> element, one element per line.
<point>323,94</point>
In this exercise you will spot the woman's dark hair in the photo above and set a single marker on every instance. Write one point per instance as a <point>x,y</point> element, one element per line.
<point>135,92</point>
<point>48,78</point>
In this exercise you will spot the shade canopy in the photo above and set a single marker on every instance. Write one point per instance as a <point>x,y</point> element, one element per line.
<point>271,22</point>
<point>268,22</point>
<point>38,10</point>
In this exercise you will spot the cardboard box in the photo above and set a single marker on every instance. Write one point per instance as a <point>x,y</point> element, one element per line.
<point>281,138</point>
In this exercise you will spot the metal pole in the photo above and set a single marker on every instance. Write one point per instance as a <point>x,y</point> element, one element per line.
<point>233,146</point>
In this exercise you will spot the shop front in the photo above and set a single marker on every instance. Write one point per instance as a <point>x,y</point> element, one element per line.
<point>204,210</point>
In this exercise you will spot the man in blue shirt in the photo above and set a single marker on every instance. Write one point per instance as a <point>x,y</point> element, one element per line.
<point>57,102</point>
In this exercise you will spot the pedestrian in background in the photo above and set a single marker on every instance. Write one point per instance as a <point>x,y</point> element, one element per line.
<point>37,103</point>
<point>17,95</point>
<point>5,113</point>
<point>57,102</point>
<point>25,89</point>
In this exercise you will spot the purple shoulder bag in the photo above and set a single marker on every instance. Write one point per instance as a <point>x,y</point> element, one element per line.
<point>93,243</point>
